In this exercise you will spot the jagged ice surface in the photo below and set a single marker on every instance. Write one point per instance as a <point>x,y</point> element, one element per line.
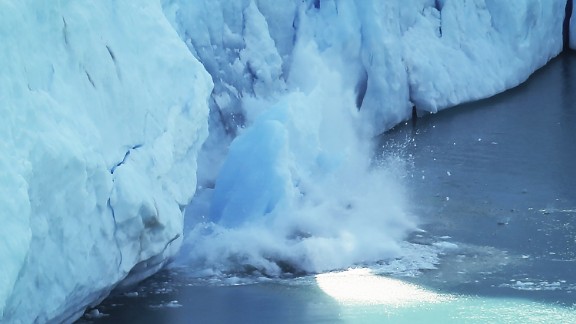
<point>104,109</point>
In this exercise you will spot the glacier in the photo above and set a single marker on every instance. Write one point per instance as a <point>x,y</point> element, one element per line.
<point>104,110</point>
<point>113,112</point>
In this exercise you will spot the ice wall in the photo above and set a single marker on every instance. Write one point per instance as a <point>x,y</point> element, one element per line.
<point>430,53</point>
<point>103,111</point>
<point>459,51</point>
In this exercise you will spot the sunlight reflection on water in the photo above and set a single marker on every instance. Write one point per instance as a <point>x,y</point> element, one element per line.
<point>370,298</point>
<point>362,286</point>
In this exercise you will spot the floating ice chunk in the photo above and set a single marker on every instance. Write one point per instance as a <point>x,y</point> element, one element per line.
<point>94,314</point>
<point>446,245</point>
<point>131,294</point>
<point>170,304</point>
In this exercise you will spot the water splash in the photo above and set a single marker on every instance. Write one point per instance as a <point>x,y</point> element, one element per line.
<point>299,190</point>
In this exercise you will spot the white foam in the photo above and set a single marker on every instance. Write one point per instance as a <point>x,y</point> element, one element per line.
<point>298,188</point>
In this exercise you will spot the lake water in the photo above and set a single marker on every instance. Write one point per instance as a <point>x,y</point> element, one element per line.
<point>493,184</point>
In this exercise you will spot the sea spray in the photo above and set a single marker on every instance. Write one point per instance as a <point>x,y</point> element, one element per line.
<point>299,190</point>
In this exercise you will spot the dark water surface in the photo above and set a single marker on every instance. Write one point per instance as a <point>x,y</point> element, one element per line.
<point>495,179</point>
<point>500,175</point>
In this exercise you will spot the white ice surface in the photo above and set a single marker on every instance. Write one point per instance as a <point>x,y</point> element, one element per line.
<point>393,54</point>
<point>103,111</point>
<point>474,49</point>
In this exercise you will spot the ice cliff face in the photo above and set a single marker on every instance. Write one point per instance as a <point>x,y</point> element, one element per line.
<point>103,110</point>
<point>500,44</point>
<point>430,53</point>
<point>105,106</point>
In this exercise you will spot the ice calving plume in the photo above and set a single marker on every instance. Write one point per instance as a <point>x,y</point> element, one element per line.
<point>298,190</point>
